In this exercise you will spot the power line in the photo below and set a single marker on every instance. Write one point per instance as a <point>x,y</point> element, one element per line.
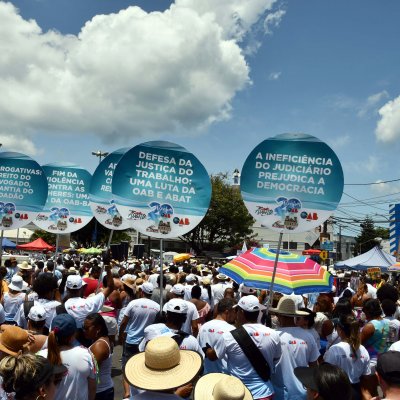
<point>371,183</point>
<point>378,208</point>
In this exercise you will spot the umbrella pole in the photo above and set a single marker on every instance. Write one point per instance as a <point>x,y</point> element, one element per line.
<point>271,288</point>
<point>1,246</point>
<point>161,275</point>
<point>56,253</point>
<point>102,268</point>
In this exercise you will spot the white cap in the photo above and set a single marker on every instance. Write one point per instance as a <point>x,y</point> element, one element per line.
<point>37,313</point>
<point>191,278</point>
<point>177,306</point>
<point>147,287</point>
<point>74,282</point>
<point>250,303</point>
<point>153,331</point>
<point>178,289</point>
<point>247,289</point>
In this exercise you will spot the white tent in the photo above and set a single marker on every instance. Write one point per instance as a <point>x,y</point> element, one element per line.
<point>375,257</point>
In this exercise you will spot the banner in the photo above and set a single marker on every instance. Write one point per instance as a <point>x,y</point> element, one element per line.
<point>162,188</point>
<point>67,208</point>
<point>101,199</point>
<point>23,190</point>
<point>292,182</point>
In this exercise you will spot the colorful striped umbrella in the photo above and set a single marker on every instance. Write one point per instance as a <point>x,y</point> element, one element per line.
<point>294,273</point>
<point>395,267</point>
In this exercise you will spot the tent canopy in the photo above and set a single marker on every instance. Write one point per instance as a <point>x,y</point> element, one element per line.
<point>375,257</point>
<point>37,245</point>
<point>8,244</point>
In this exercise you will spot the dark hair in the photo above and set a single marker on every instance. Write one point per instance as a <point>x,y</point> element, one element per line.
<point>333,383</point>
<point>310,317</point>
<point>372,308</point>
<point>251,316</point>
<point>387,291</point>
<point>225,304</point>
<point>389,307</point>
<point>164,281</point>
<point>196,292</point>
<point>40,264</point>
<point>176,319</point>
<point>99,322</point>
<point>173,269</point>
<point>325,303</point>
<point>44,284</point>
<point>7,263</point>
<point>186,269</point>
<point>347,294</point>
<point>50,265</point>
<point>351,328</point>
<point>343,307</point>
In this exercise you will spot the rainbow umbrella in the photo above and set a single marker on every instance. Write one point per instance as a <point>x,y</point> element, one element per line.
<point>394,267</point>
<point>294,273</point>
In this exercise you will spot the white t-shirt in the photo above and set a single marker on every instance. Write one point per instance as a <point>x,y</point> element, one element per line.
<point>141,313</point>
<point>48,305</point>
<point>153,279</point>
<point>80,366</point>
<point>298,350</point>
<point>2,314</point>
<point>341,355</point>
<point>80,308</point>
<point>394,328</point>
<point>211,333</point>
<point>192,315</point>
<point>371,290</point>
<point>395,346</point>
<point>267,340</point>
<point>11,304</point>
<point>218,291</point>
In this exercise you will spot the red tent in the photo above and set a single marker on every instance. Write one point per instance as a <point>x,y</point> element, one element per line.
<point>36,245</point>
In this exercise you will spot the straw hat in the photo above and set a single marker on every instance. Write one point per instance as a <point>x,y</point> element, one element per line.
<point>221,387</point>
<point>287,307</point>
<point>162,366</point>
<point>25,266</point>
<point>13,339</point>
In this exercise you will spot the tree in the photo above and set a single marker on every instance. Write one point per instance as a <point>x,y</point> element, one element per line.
<point>366,240</point>
<point>48,237</point>
<point>227,222</point>
<point>382,232</point>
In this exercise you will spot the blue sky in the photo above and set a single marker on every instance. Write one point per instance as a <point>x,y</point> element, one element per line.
<point>329,69</point>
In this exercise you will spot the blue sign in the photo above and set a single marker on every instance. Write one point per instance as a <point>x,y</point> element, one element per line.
<point>292,182</point>
<point>327,245</point>
<point>162,188</point>
<point>102,202</point>
<point>23,190</point>
<point>67,208</point>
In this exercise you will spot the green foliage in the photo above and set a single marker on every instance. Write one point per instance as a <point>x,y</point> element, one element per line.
<point>227,222</point>
<point>366,240</point>
<point>48,237</point>
<point>382,232</point>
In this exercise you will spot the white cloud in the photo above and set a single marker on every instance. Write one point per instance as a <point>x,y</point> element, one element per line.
<point>372,102</point>
<point>273,20</point>
<point>388,127</point>
<point>274,76</point>
<point>367,164</point>
<point>126,74</point>
<point>20,145</point>
<point>385,188</point>
<point>339,141</point>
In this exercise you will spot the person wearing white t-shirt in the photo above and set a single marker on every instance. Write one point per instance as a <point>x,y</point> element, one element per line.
<point>138,314</point>
<point>80,308</point>
<point>191,280</point>
<point>350,354</point>
<point>212,332</point>
<point>218,289</point>
<point>389,309</point>
<point>299,349</point>
<point>267,341</point>
<point>192,317</point>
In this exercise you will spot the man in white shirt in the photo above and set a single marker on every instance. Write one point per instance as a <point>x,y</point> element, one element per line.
<point>218,289</point>
<point>191,323</point>
<point>138,314</point>
<point>211,333</point>
<point>299,349</point>
<point>266,340</point>
<point>77,306</point>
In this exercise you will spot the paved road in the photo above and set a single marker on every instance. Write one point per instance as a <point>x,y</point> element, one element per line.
<point>116,373</point>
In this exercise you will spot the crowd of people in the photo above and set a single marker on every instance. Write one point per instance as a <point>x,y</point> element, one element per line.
<point>191,332</point>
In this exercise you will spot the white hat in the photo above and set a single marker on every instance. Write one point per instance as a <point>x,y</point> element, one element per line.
<point>177,306</point>
<point>178,289</point>
<point>250,303</point>
<point>17,283</point>
<point>222,277</point>
<point>37,313</point>
<point>72,270</point>
<point>74,282</point>
<point>247,289</point>
<point>191,278</point>
<point>147,287</point>
<point>287,307</point>
<point>153,331</point>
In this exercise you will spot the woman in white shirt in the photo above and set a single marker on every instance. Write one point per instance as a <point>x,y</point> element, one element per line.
<point>79,383</point>
<point>349,354</point>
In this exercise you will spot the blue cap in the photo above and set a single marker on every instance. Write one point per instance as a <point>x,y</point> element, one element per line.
<point>63,325</point>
